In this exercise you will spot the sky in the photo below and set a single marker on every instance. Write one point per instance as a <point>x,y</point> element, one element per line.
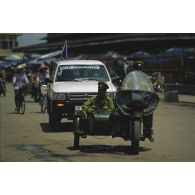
<point>30,39</point>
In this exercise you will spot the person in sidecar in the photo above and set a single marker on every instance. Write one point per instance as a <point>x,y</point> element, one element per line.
<point>101,102</point>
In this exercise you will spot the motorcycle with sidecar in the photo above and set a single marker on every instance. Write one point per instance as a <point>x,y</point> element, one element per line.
<point>133,101</point>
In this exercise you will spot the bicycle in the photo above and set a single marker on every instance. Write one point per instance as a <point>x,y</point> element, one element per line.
<point>20,102</point>
<point>43,98</point>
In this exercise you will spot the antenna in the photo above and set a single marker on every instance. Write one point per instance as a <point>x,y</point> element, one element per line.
<point>64,53</point>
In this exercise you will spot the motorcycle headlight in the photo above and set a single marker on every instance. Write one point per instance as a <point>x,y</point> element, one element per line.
<point>60,96</point>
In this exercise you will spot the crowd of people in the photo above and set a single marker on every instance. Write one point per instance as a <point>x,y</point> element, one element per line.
<point>28,82</point>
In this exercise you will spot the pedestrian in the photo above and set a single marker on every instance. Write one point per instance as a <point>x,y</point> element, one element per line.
<point>34,85</point>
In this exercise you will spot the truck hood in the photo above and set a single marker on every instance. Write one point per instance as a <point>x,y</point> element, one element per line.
<point>80,86</point>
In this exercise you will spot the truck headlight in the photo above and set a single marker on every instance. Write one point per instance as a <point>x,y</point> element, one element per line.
<point>60,96</point>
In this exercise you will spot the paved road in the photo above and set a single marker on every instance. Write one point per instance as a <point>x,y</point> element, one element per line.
<point>26,138</point>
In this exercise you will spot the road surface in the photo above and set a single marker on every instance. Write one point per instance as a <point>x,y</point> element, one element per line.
<point>28,138</point>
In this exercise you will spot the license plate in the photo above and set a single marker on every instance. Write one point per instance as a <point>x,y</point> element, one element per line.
<point>77,108</point>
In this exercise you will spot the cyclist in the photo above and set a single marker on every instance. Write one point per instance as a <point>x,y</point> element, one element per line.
<point>42,76</point>
<point>20,80</point>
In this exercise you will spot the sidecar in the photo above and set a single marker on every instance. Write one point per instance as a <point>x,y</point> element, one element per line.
<point>133,102</point>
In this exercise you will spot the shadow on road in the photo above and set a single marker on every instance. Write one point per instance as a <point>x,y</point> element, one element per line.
<point>108,149</point>
<point>182,103</point>
<point>187,104</point>
<point>43,153</point>
<point>12,112</point>
<point>64,127</point>
<point>29,101</point>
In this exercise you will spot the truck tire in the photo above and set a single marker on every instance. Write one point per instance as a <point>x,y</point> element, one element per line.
<point>76,132</point>
<point>54,121</point>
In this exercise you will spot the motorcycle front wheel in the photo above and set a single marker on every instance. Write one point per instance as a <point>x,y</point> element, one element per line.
<point>136,137</point>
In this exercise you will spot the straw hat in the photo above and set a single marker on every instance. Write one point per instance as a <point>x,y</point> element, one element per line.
<point>43,66</point>
<point>20,67</point>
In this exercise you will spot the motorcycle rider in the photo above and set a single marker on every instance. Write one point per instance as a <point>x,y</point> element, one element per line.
<point>101,102</point>
<point>147,120</point>
<point>19,79</point>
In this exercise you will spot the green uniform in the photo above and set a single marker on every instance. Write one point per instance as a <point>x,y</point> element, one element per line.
<point>97,104</point>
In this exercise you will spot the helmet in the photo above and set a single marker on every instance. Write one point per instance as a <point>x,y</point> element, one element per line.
<point>43,66</point>
<point>125,58</point>
<point>137,65</point>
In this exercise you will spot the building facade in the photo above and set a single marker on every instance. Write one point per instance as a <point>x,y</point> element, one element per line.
<point>8,41</point>
<point>173,54</point>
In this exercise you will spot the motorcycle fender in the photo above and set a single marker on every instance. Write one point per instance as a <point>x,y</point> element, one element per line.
<point>137,116</point>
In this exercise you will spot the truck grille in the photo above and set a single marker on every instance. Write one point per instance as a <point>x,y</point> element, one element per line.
<point>80,96</point>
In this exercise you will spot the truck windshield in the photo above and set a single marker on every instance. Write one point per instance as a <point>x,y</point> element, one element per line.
<point>81,72</point>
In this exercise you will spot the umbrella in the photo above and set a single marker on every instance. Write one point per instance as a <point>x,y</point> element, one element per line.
<point>140,54</point>
<point>6,65</point>
<point>51,55</point>
<point>13,57</point>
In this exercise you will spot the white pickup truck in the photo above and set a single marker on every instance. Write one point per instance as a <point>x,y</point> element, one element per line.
<point>72,83</point>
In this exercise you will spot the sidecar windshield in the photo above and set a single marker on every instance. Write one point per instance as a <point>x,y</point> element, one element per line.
<point>137,80</point>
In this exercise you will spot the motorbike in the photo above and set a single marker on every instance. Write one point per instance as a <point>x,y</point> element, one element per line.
<point>159,85</point>
<point>135,99</point>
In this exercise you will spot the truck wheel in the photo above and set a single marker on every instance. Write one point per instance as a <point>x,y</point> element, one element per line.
<point>76,140</point>
<point>136,137</point>
<point>48,105</point>
<point>54,121</point>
